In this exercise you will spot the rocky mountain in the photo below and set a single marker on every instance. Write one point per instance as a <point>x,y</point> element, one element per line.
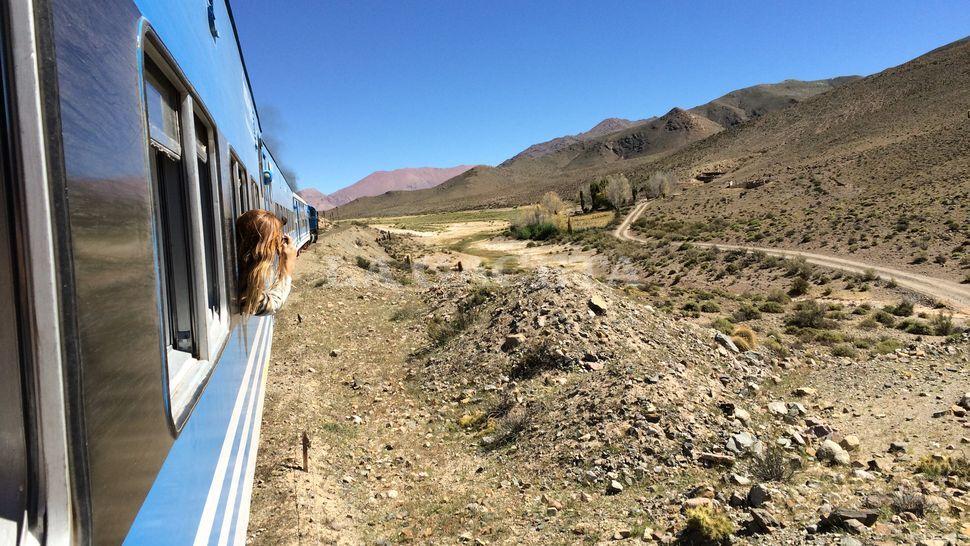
<point>608,125</point>
<point>563,163</point>
<point>739,106</point>
<point>379,182</point>
<point>856,133</point>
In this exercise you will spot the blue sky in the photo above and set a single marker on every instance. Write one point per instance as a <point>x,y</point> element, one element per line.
<point>350,87</point>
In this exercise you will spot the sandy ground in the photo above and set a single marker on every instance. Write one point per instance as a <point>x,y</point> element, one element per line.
<point>450,233</point>
<point>481,243</point>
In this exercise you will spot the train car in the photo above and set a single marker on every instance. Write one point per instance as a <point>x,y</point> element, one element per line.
<point>313,221</point>
<point>131,386</point>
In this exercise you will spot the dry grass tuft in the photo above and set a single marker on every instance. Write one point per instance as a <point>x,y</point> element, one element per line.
<point>706,525</point>
<point>745,338</point>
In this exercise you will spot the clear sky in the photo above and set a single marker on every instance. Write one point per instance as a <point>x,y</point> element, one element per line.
<point>350,87</point>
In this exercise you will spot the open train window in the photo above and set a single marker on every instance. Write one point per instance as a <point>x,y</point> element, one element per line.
<point>195,316</point>
<point>162,102</point>
<point>210,197</point>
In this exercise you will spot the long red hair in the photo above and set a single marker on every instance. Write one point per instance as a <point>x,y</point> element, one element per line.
<point>259,236</point>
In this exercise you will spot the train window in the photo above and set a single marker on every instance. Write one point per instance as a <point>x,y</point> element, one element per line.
<point>238,174</point>
<point>175,245</point>
<point>195,319</point>
<point>210,206</point>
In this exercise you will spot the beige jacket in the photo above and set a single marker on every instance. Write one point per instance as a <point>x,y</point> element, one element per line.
<point>273,299</point>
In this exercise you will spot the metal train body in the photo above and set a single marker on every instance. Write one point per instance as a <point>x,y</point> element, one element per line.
<point>131,387</point>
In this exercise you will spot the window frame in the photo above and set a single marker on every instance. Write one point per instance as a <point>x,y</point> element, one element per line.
<point>186,374</point>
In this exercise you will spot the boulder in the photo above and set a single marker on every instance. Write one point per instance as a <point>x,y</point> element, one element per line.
<point>716,459</point>
<point>832,453</point>
<point>839,518</point>
<point>512,341</point>
<point>762,522</point>
<point>597,305</point>
<point>849,443</point>
<point>614,488</point>
<point>725,341</point>
<point>758,495</point>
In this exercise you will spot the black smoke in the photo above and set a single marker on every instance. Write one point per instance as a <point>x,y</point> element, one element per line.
<point>274,128</point>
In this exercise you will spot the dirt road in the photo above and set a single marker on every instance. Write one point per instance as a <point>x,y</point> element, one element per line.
<point>955,294</point>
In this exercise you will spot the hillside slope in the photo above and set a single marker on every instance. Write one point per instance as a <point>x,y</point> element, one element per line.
<point>608,125</point>
<point>523,180</point>
<point>878,169</point>
<point>613,145</point>
<point>739,106</point>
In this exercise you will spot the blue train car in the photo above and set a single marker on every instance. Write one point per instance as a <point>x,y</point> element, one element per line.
<point>131,387</point>
<point>313,222</point>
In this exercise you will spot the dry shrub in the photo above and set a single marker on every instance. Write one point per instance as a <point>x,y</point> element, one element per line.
<point>773,466</point>
<point>552,203</point>
<point>660,184</point>
<point>913,502</point>
<point>938,466</point>
<point>745,338</point>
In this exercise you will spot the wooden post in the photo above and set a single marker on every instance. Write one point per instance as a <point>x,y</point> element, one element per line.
<point>306,452</point>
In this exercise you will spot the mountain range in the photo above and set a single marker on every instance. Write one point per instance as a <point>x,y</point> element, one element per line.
<point>565,162</point>
<point>380,182</point>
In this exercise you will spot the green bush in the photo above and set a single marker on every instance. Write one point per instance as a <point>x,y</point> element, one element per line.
<point>868,323</point>
<point>943,324</point>
<point>915,327</point>
<point>744,313</point>
<point>771,307</point>
<point>885,318</point>
<point>710,307</point>
<point>903,309</point>
<point>363,262</point>
<point>809,314</point>
<point>936,466</point>
<point>778,296</point>
<point>886,346</point>
<point>844,349</point>
<point>799,287</point>
<point>723,325</point>
<point>535,232</point>
<point>691,307</point>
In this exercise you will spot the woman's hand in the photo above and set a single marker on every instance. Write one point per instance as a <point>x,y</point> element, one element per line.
<point>288,256</point>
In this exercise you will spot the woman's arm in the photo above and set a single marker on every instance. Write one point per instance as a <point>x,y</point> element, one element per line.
<point>274,298</point>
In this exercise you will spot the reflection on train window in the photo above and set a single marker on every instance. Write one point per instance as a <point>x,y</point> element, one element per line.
<point>176,265</point>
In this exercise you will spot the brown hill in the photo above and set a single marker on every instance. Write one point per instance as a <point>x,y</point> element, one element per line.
<point>316,198</point>
<point>379,182</point>
<point>562,164</point>
<point>739,106</point>
<point>878,168</point>
<point>523,180</point>
<point>408,179</point>
<point>608,125</point>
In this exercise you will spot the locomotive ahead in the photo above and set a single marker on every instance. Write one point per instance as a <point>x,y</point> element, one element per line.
<point>131,387</point>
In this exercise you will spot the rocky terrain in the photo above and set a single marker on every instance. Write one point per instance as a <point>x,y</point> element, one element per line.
<point>546,406</point>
